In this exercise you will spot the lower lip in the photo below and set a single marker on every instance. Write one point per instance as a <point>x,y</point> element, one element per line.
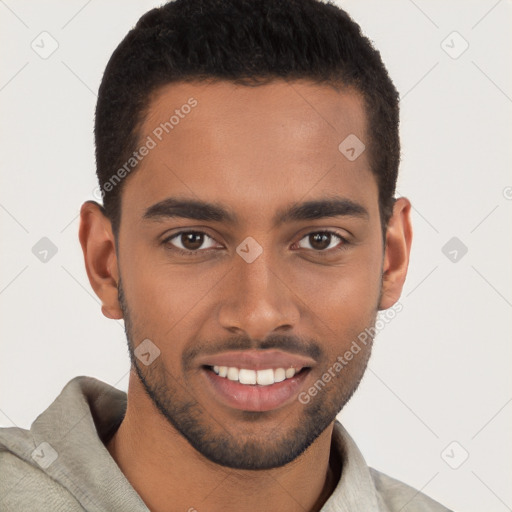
<point>254,397</point>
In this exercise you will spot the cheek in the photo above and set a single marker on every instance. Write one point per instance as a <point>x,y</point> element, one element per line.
<point>341,302</point>
<point>348,289</point>
<point>164,299</point>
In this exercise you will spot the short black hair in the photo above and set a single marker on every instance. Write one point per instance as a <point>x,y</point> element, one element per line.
<point>247,42</point>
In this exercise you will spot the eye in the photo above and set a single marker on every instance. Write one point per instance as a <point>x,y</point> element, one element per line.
<point>191,243</point>
<point>188,242</point>
<point>322,241</point>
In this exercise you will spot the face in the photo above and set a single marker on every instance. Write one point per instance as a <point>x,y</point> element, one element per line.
<point>250,248</point>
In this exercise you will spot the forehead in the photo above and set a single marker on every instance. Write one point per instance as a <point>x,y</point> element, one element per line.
<point>301,109</point>
<point>250,146</point>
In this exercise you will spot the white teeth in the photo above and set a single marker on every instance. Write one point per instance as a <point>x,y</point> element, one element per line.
<point>290,372</point>
<point>265,377</point>
<point>247,376</point>
<point>232,373</point>
<point>279,374</point>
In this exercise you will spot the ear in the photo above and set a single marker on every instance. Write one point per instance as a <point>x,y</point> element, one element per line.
<point>396,255</point>
<point>98,245</point>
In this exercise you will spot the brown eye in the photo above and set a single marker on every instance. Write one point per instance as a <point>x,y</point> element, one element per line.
<point>321,241</point>
<point>189,241</point>
<point>192,241</point>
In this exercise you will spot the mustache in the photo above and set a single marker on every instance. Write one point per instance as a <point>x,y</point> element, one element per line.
<point>296,345</point>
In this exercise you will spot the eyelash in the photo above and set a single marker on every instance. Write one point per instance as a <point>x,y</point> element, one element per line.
<point>184,252</point>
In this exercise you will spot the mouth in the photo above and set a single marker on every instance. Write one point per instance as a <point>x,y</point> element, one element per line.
<point>250,389</point>
<point>249,377</point>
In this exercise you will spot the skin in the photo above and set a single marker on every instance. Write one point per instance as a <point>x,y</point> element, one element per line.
<point>255,151</point>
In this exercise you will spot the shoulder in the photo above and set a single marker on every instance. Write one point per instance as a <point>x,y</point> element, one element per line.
<point>364,488</point>
<point>25,488</point>
<point>29,477</point>
<point>398,496</point>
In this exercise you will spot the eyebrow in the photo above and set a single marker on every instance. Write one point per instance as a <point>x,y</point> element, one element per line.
<point>206,211</point>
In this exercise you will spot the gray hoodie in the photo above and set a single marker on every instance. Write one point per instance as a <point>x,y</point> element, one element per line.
<point>62,464</point>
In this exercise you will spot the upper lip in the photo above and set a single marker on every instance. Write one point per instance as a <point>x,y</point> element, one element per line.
<point>257,360</point>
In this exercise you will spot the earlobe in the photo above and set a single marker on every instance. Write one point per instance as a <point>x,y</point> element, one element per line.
<point>98,245</point>
<point>112,313</point>
<point>397,251</point>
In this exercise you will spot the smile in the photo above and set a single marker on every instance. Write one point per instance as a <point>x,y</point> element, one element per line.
<point>254,390</point>
<point>265,377</point>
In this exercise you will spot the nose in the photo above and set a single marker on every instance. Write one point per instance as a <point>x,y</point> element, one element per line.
<point>258,298</point>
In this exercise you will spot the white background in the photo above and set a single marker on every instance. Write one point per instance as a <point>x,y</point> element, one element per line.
<point>441,371</point>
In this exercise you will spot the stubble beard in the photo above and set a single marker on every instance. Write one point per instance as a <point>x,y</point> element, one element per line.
<point>220,442</point>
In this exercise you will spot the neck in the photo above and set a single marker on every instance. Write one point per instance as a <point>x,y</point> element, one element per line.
<point>168,473</point>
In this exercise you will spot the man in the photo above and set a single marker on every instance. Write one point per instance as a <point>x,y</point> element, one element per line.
<point>247,155</point>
